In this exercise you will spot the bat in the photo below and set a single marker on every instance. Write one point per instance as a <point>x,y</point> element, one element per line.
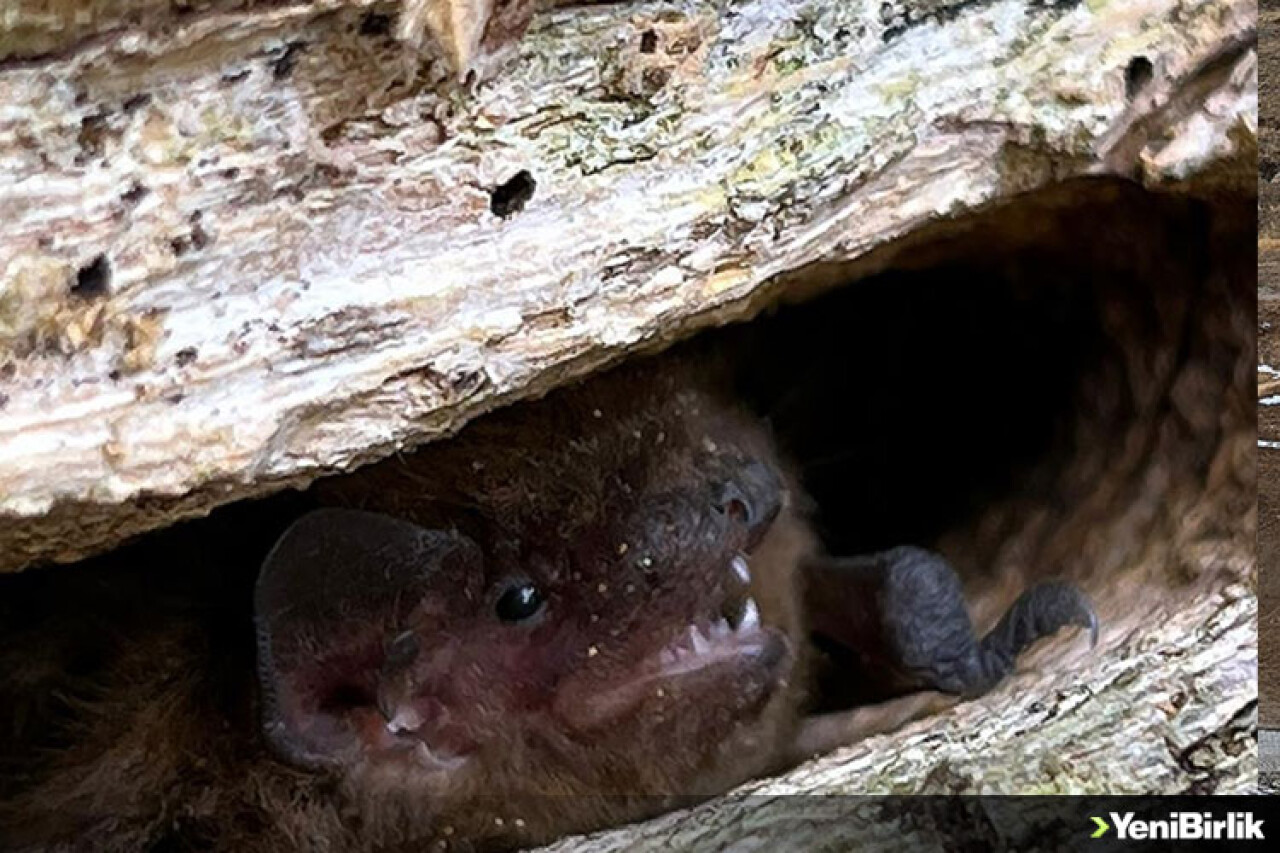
<point>581,611</point>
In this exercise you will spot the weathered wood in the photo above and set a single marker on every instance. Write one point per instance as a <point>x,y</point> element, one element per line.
<point>253,244</point>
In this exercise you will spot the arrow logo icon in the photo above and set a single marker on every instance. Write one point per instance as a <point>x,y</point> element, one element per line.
<point>1103,826</point>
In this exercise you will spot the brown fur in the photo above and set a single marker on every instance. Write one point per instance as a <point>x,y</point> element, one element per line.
<point>159,744</point>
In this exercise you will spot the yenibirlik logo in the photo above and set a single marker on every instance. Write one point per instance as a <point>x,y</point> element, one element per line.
<point>1182,826</point>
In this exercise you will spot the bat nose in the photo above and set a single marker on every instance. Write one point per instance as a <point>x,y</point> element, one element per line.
<point>752,498</point>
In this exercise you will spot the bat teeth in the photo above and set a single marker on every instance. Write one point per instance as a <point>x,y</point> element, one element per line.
<point>704,636</point>
<point>737,592</point>
<point>406,720</point>
<point>699,642</point>
<point>738,614</point>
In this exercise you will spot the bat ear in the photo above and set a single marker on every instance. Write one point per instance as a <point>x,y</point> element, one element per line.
<point>336,582</point>
<point>331,558</point>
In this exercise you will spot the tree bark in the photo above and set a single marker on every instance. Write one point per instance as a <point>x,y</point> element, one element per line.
<point>251,244</point>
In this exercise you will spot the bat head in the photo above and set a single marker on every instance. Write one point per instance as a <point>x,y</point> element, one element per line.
<point>588,625</point>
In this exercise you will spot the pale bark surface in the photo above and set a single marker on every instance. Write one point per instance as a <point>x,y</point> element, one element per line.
<point>251,244</point>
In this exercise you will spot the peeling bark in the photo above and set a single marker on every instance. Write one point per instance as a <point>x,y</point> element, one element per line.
<point>251,245</point>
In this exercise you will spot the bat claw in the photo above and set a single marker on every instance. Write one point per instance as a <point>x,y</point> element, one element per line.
<point>1043,611</point>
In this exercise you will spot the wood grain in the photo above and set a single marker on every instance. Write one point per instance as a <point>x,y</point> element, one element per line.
<point>252,244</point>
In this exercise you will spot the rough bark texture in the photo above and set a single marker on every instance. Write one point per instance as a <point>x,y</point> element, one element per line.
<point>251,243</point>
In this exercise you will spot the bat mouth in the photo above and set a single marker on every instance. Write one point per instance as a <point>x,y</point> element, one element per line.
<point>416,728</point>
<point>407,740</point>
<point>740,669</point>
<point>727,653</point>
<point>706,643</point>
<point>733,628</point>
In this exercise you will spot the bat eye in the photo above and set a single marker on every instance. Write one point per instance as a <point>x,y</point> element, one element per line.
<point>519,602</point>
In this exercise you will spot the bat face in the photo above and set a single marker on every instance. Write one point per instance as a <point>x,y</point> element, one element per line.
<point>580,619</point>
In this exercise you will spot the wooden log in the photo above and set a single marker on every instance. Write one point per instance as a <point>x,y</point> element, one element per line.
<point>254,243</point>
